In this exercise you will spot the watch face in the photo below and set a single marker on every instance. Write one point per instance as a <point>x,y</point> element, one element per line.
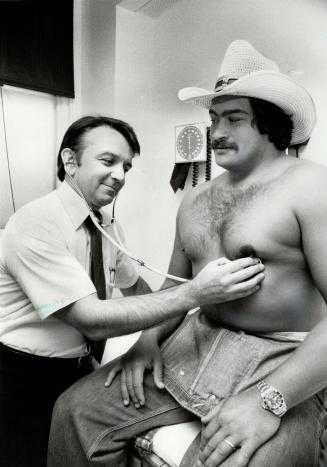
<point>189,142</point>
<point>274,401</point>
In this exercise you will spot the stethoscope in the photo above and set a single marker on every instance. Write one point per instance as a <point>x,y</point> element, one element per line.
<point>118,242</point>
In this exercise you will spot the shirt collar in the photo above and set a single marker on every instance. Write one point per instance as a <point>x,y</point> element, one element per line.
<point>74,204</point>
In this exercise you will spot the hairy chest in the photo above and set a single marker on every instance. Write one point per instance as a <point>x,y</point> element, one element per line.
<point>256,221</point>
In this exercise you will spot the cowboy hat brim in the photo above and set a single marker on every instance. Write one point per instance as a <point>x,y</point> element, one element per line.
<point>271,86</point>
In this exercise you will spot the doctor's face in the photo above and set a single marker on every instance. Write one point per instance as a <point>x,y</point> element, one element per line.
<point>105,159</point>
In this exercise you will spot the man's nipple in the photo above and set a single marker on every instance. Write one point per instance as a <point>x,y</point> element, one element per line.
<point>247,250</point>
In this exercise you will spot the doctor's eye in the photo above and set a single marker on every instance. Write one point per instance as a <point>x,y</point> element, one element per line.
<point>107,162</point>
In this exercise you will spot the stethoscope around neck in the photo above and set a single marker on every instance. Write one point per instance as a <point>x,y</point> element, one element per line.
<point>117,242</point>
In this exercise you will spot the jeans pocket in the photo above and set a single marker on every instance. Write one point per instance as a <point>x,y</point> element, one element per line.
<point>227,363</point>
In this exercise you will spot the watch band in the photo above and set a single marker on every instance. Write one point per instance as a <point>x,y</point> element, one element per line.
<point>263,386</point>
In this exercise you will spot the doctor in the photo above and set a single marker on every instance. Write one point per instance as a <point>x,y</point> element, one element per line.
<point>56,280</point>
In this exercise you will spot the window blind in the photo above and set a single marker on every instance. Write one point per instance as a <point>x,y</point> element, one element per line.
<point>36,45</point>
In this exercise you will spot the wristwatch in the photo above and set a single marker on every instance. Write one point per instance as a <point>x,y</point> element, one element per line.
<point>272,399</point>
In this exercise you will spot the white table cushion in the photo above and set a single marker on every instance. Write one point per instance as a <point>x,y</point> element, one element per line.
<point>170,443</point>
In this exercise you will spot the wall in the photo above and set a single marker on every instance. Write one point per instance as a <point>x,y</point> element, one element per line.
<point>97,66</point>
<point>30,125</point>
<point>183,47</point>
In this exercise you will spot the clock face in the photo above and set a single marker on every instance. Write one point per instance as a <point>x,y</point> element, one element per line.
<point>189,142</point>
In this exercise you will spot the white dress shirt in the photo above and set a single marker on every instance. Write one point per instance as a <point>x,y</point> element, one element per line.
<point>44,266</point>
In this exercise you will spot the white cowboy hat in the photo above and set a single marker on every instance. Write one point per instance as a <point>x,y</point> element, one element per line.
<point>244,72</point>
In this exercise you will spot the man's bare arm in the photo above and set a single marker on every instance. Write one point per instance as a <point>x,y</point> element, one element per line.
<point>100,319</point>
<point>305,373</point>
<point>160,331</point>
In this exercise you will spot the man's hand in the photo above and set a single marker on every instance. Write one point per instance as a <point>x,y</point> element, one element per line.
<point>144,355</point>
<point>240,423</point>
<point>222,280</point>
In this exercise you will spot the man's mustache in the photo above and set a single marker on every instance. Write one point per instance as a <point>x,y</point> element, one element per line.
<point>222,144</point>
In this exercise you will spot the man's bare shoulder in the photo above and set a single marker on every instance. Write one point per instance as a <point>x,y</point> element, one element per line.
<point>309,175</point>
<point>308,182</point>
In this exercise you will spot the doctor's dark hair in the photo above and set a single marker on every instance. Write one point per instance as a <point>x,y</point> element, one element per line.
<point>272,121</point>
<point>75,137</point>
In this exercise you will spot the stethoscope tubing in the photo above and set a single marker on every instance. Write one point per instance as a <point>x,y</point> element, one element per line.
<point>119,244</point>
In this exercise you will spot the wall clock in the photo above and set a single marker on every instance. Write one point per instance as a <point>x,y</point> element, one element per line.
<point>190,143</point>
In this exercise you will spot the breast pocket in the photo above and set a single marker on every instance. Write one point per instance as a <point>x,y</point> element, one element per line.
<point>109,266</point>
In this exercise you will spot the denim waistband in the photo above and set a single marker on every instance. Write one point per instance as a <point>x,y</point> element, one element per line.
<point>284,336</point>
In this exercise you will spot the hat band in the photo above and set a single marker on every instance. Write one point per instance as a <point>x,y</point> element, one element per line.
<point>223,82</point>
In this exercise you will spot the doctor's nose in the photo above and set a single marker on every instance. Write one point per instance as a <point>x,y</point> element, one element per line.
<point>118,173</point>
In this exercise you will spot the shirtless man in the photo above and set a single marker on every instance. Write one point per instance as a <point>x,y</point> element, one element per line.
<point>241,365</point>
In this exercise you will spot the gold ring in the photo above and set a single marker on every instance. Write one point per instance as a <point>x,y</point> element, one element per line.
<point>230,444</point>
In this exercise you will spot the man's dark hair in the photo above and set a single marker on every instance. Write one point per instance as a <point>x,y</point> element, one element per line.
<point>74,137</point>
<point>272,121</point>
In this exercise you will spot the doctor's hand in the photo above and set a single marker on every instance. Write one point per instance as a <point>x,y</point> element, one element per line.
<point>222,280</point>
<point>237,428</point>
<point>145,354</point>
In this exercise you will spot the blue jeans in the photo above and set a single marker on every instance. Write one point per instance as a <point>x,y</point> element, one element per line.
<point>203,367</point>
<point>91,426</point>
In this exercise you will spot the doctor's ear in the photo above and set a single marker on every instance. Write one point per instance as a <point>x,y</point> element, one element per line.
<point>69,160</point>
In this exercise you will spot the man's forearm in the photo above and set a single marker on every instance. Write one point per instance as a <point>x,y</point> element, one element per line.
<point>99,319</point>
<point>305,372</point>
<point>159,333</point>
<point>215,283</point>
